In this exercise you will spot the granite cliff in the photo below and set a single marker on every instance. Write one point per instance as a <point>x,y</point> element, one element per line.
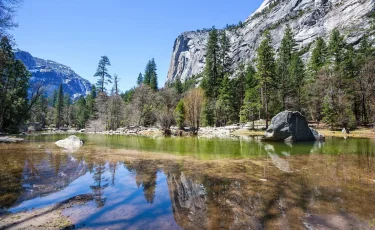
<point>308,19</point>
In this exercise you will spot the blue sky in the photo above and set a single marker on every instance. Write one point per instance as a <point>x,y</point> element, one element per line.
<point>77,32</point>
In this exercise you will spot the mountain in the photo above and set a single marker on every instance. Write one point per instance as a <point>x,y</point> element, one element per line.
<point>51,74</point>
<point>308,19</point>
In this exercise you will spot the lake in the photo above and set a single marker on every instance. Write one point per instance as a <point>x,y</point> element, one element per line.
<point>124,182</point>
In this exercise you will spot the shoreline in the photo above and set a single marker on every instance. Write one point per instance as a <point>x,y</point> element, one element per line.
<point>210,132</point>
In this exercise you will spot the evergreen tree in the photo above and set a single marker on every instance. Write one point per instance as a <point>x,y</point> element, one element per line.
<point>140,79</point>
<point>211,81</point>
<point>178,86</point>
<point>224,103</point>
<point>180,114</point>
<point>90,101</point>
<point>40,110</point>
<point>225,60</point>
<point>283,80</point>
<point>66,109</point>
<point>265,64</point>
<point>297,76</point>
<point>59,107</point>
<point>251,105</point>
<point>336,49</point>
<point>14,82</point>
<point>329,115</point>
<point>102,74</point>
<point>82,113</point>
<point>318,57</point>
<point>150,76</point>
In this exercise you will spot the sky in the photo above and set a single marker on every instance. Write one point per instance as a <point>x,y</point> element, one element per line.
<point>77,33</point>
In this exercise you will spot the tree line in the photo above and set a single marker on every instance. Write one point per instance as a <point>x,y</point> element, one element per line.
<point>335,85</point>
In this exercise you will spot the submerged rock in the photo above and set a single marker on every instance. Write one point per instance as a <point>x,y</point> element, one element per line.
<point>72,143</point>
<point>291,127</point>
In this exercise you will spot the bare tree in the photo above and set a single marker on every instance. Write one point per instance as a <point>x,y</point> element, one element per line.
<point>7,12</point>
<point>116,105</point>
<point>167,101</point>
<point>193,101</point>
<point>140,110</point>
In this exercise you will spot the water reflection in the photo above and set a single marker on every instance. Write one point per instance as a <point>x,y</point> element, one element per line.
<point>285,186</point>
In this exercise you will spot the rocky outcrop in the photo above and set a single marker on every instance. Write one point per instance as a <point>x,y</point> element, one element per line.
<point>71,144</point>
<point>309,19</point>
<point>291,127</point>
<point>51,74</point>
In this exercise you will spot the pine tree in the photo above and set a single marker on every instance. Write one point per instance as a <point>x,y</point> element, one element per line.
<point>265,64</point>
<point>150,76</point>
<point>329,115</point>
<point>252,105</point>
<point>140,79</point>
<point>224,103</point>
<point>211,81</point>
<point>59,107</point>
<point>178,86</point>
<point>283,80</point>
<point>148,72</point>
<point>297,76</point>
<point>82,113</point>
<point>102,73</point>
<point>225,60</point>
<point>318,58</point>
<point>90,101</point>
<point>180,114</point>
<point>66,109</point>
<point>336,49</point>
<point>14,83</point>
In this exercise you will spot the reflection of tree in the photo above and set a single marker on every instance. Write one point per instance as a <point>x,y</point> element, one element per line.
<point>100,184</point>
<point>11,168</point>
<point>113,169</point>
<point>145,172</point>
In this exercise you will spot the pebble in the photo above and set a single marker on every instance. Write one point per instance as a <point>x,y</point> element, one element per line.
<point>264,180</point>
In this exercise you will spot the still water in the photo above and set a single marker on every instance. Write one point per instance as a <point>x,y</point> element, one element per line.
<point>194,183</point>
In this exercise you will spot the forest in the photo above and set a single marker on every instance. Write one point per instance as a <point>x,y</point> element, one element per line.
<point>334,85</point>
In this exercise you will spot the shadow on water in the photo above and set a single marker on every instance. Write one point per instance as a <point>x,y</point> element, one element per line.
<point>234,183</point>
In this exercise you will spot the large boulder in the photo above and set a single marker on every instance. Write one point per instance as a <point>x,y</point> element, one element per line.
<point>292,127</point>
<point>71,144</point>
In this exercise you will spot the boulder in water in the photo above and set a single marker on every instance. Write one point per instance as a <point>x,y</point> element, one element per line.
<point>291,127</point>
<point>72,143</point>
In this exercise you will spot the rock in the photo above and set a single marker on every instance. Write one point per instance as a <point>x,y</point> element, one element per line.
<point>318,136</point>
<point>72,143</point>
<point>345,131</point>
<point>7,139</point>
<point>307,18</point>
<point>291,127</point>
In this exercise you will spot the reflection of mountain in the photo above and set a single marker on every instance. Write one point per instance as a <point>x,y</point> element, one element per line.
<point>217,203</point>
<point>188,201</point>
<point>35,175</point>
<point>145,176</point>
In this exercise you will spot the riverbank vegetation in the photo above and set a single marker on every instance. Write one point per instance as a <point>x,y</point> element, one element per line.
<point>335,85</point>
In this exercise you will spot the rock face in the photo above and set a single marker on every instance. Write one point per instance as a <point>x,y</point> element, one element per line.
<point>308,19</point>
<point>292,127</point>
<point>51,74</point>
<point>71,144</point>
